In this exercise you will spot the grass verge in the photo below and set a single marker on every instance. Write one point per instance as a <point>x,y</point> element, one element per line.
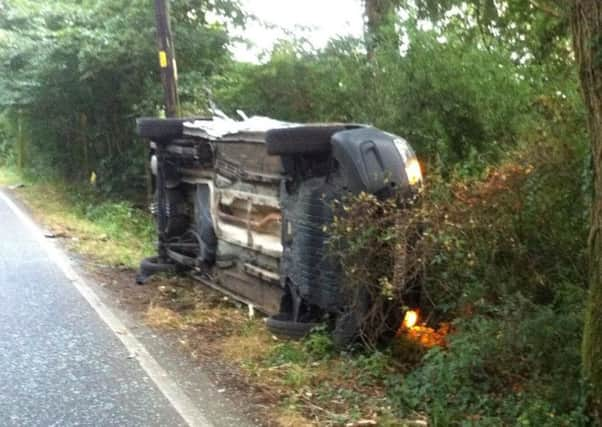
<point>109,232</point>
<point>308,382</point>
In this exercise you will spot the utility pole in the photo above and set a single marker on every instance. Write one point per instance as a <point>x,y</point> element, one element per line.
<point>167,59</point>
<point>20,142</point>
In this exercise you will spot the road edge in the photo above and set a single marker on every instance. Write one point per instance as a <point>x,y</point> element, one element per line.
<point>185,407</point>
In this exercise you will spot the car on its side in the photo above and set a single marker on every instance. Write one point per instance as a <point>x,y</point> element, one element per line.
<point>244,207</point>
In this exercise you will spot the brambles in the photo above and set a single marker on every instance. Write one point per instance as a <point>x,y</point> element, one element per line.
<point>377,243</point>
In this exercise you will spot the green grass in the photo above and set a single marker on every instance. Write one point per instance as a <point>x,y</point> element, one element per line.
<point>110,232</point>
<point>9,177</point>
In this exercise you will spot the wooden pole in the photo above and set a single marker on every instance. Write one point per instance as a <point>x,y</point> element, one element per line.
<point>167,60</point>
<point>20,143</point>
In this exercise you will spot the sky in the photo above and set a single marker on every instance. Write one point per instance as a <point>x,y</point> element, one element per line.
<point>325,18</point>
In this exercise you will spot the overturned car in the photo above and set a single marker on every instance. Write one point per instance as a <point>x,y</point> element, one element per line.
<point>244,207</point>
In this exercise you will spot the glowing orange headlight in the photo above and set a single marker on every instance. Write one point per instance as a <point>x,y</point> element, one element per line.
<point>413,171</point>
<point>410,319</point>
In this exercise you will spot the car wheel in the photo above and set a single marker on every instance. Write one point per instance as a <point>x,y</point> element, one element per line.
<point>153,265</point>
<point>301,140</point>
<point>177,219</point>
<point>281,326</point>
<point>160,129</point>
<point>346,330</point>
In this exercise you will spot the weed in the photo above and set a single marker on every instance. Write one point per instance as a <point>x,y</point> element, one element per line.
<point>250,346</point>
<point>319,345</point>
<point>372,368</point>
<point>287,352</point>
<point>295,376</point>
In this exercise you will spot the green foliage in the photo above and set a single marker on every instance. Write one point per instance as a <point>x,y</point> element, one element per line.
<point>522,229</point>
<point>453,100</point>
<point>504,258</point>
<point>479,376</point>
<point>81,72</point>
<point>7,144</point>
<point>119,218</point>
<point>536,32</point>
<point>319,345</point>
<point>287,352</point>
<point>373,368</point>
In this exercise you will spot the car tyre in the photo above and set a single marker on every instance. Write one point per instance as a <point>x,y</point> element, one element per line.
<point>153,265</point>
<point>281,326</point>
<point>346,330</point>
<point>301,139</point>
<point>160,129</point>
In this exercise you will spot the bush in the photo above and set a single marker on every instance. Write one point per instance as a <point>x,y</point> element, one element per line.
<point>502,257</point>
<point>377,244</point>
<point>500,370</point>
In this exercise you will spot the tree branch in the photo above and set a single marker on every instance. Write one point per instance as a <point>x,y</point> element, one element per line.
<point>546,8</point>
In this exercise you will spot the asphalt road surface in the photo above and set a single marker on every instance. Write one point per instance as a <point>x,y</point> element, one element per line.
<point>61,364</point>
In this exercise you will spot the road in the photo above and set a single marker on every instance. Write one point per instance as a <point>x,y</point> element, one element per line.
<point>61,362</point>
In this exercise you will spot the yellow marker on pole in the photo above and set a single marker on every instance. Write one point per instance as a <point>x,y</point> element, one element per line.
<point>162,59</point>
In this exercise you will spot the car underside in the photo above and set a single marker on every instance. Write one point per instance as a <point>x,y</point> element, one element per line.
<point>245,207</point>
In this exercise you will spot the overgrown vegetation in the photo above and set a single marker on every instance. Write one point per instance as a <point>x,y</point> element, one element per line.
<point>488,97</point>
<point>113,233</point>
<point>489,263</point>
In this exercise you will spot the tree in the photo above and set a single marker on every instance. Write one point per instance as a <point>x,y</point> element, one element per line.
<point>380,16</point>
<point>537,30</point>
<point>586,26</point>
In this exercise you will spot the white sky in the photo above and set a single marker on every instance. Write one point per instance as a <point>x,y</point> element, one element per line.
<point>327,19</point>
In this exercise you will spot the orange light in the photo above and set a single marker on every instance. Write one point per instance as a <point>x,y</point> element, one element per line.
<point>420,333</point>
<point>410,319</point>
<point>414,172</point>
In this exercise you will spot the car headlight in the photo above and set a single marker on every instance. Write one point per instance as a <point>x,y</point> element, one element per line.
<point>413,171</point>
<point>411,164</point>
